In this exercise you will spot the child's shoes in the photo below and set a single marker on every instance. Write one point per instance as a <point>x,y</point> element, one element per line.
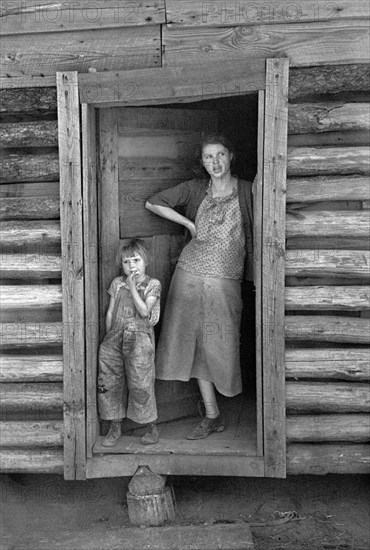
<point>151,435</point>
<point>113,435</point>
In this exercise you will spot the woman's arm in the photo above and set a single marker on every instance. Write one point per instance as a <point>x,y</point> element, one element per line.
<point>172,215</point>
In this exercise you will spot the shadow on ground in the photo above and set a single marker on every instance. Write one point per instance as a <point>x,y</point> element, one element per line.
<point>308,512</point>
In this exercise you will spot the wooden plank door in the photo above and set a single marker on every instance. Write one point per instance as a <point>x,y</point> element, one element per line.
<point>143,151</point>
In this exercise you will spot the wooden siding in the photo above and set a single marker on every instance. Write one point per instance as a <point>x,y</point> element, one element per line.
<point>320,42</point>
<point>46,16</point>
<point>31,360</point>
<point>42,55</point>
<point>328,225</point>
<point>229,13</point>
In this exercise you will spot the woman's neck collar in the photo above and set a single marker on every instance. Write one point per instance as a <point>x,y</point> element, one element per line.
<point>223,187</point>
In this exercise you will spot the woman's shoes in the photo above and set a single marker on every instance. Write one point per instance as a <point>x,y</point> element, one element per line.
<point>206,427</point>
<point>151,435</point>
<point>113,435</point>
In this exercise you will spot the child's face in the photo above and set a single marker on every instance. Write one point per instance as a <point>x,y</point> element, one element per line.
<point>134,264</point>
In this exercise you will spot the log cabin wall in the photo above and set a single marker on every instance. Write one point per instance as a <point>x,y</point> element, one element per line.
<point>31,297</point>
<point>327,294</point>
<point>327,258</point>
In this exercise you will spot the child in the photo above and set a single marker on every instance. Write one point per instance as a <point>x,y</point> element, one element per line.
<point>126,355</point>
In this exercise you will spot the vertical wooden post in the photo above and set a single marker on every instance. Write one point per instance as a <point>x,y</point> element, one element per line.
<point>257,245</point>
<point>90,231</point>
<point>72,275</point>
<point>273,265</point>
<point>108,205</point>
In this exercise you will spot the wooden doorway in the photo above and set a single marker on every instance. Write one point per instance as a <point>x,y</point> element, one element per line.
<point>147,88</point>
<point>142,151</point>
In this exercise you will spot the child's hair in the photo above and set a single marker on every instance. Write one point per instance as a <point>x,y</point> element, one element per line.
<point>127,249</point>
<point>213,139</point>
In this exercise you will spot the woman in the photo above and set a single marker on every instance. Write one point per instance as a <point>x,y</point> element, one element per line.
<point>201,323</point>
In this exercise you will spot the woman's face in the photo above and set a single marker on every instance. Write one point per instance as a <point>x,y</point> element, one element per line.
<point>216,160</point>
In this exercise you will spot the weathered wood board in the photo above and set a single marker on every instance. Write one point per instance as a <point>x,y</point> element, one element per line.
<point>31,368</point>
<point>42,55</point>
<point>229,13</point>
<point>45,16</point>
<point>317,43</point>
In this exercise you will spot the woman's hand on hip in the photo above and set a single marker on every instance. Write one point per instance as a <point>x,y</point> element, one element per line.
<point>191,227</point>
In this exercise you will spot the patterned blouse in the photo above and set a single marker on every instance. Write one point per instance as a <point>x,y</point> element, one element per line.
<point>218,249</point>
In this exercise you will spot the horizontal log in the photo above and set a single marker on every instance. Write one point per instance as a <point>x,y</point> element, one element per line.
<point>319,281</point>
<point>38,234</point>
<point>306,118</point>
<point>213,14</point>
<point>349,353</point>
<point>22,165</point>
<point>328,427</point>
<point>318,242</point>
<point>327,206</point>
<point>42,133</point>
<point>351,364</point>
<point>321,459</point>
<point>31,461</point>
<point>327,397</point>
<point>352,224</point>
<point>22,397</point>
<point>313,328</point>
<point>46,16</point>
<point>99,49</point>
<point>329,370</point>
<point>31,368</point>
<point>319,43</point>
<point>40,102</point>
<point>327,188</point>
<point>330,139</point>
<point>30,208</point>
<point>331,80</point>
<point>316,161</point>
<point>32,297</point>
<point>30,335</point>
<point>327,263</point>
<point>31,434</point>
<point>324,298</point>
<point>30,266</point>
<point>30,189</point>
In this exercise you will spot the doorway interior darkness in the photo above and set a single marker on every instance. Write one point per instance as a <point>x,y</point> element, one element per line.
<point>237,118</point>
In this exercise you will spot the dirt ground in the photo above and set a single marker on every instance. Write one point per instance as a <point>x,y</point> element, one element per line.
<point>308,512</point>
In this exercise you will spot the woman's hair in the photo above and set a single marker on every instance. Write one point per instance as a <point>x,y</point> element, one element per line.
<point>129,248</point>
<point>213,139</point>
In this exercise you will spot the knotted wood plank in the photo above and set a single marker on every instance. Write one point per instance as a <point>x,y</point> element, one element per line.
<point>31,368</point>
<point>31,434</point>
<point>327,328</point>
<point>327,397</point>
<point>328,427</point>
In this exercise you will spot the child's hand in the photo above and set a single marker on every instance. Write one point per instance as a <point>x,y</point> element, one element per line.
<point>131,279</point>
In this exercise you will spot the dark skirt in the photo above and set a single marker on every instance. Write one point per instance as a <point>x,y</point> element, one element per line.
<point>200,334</point>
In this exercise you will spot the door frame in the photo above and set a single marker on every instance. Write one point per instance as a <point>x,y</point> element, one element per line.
<point>147,87</point>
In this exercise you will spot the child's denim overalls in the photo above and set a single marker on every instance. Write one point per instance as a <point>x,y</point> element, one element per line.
<point>126,362</point>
